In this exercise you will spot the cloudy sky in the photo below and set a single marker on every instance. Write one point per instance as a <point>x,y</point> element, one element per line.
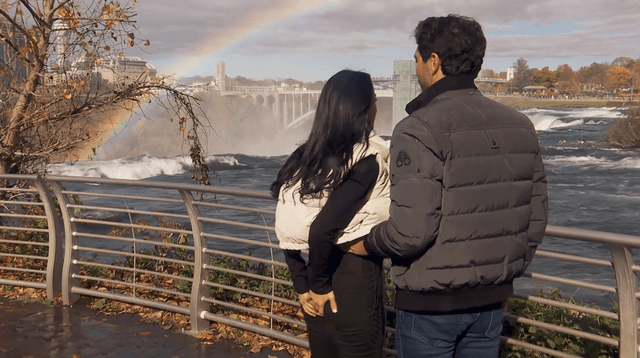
<point>310,40</point>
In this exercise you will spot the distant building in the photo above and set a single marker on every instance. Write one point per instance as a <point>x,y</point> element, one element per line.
<point>60,52</point>
<point>117,70</point>
<point>511,72</point>
<point>221,76</point>
<point>534,89</point>
<point>406,87</point>
<point>12,66</point>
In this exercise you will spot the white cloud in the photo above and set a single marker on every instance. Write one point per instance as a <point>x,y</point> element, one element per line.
<point>557,28</point>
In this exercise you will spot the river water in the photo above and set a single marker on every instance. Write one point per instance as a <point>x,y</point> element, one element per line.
<point>591,184</point>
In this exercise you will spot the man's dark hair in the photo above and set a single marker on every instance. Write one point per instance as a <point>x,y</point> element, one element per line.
<point>457,40</point>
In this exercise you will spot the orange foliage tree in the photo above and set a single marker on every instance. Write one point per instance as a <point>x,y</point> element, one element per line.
<point>566,79</point>
<point>618,77</point>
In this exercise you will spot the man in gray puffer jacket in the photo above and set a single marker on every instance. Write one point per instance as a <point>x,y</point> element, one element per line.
<point>469,201</point>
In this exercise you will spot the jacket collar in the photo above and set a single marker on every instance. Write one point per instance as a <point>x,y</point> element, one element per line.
<point>448,83</point>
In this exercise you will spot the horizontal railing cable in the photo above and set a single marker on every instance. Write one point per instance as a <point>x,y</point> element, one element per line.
<point>561,329</point>
<point>19,203</point>
<point>248,292</point>
<point>128,211</point>
<point>131,299</point>
<point>264,331</point>
<point>240,240</point>
<point>33,257</point>
<point>236,208</point>
<point>568,306</point>
<point>244,257</point>
<point>131,240</point>
<point>571,282</point>
<point>137,286</point>
<point>22,216</point>
<point>126,197</point>
<point>133,270</point>
<point>31,284</point>
<point>255,311</point>
<point>247,274</point>
<point>571,258</point>
<point>18,242</point>
<point>22,228</point>
<point>257,194</point>
<point>19,190</point>
<point>18,269</point>
<point>236,223</point>
<point>598,237</point>
<point>131,254</point>
<point>129,225</point>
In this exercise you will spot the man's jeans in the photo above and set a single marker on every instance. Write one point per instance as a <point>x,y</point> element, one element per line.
<point>460,335</point>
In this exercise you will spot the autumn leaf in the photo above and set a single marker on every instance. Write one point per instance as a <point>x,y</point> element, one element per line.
<point>107,9</point>
<point>130,43</point>
<point>120,54</point>
<point>107,48</point>
<point>98,62</point>
<point>63,13</point>
<point>68,96</point>
<point>147,43</point>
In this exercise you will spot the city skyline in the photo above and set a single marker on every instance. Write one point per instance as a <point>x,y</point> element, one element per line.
<point>312,39</point>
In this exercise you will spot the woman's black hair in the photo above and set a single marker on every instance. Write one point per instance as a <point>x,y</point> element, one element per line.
<point>342,119</point>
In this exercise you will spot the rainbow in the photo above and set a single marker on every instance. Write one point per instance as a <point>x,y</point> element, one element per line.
<point>250,24</point>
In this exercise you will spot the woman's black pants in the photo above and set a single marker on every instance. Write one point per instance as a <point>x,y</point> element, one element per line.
<point>357,330</point>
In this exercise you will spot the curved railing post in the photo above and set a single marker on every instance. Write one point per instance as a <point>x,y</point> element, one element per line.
<point>55,255</point>
<point>198,289</point>
<point>626,283</point>
<point>69,269</point>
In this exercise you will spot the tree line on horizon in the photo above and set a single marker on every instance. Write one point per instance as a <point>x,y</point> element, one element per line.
<point>619,78</point>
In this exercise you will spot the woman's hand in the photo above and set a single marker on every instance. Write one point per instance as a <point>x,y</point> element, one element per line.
<point>358,249</point>
<point>308,306</point>
<point>319,300</point>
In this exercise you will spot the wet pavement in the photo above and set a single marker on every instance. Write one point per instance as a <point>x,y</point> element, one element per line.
<point>32,329</point>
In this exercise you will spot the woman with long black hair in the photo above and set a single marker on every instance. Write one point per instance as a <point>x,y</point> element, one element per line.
<point>331,191</point>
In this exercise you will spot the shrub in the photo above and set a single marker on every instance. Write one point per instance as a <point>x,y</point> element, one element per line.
<point>569,344</point>
<point>625,132</point>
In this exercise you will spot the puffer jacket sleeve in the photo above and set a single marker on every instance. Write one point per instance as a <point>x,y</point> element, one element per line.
<point>416,167</point>
<point>539,210</point>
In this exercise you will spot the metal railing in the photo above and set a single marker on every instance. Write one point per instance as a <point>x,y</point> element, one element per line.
<point>210,252</point>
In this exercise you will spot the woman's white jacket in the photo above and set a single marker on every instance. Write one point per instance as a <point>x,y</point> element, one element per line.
<point>294,217</point>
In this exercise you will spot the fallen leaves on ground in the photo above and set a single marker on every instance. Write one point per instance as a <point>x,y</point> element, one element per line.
<point>180,322</point>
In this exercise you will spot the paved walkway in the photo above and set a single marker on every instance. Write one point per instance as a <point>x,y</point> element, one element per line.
<point>31,329</point>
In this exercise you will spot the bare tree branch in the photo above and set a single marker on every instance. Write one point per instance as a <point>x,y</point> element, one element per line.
<point>62,86</point>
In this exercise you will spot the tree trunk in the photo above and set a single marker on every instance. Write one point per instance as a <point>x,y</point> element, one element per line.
<point>10,138</point>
